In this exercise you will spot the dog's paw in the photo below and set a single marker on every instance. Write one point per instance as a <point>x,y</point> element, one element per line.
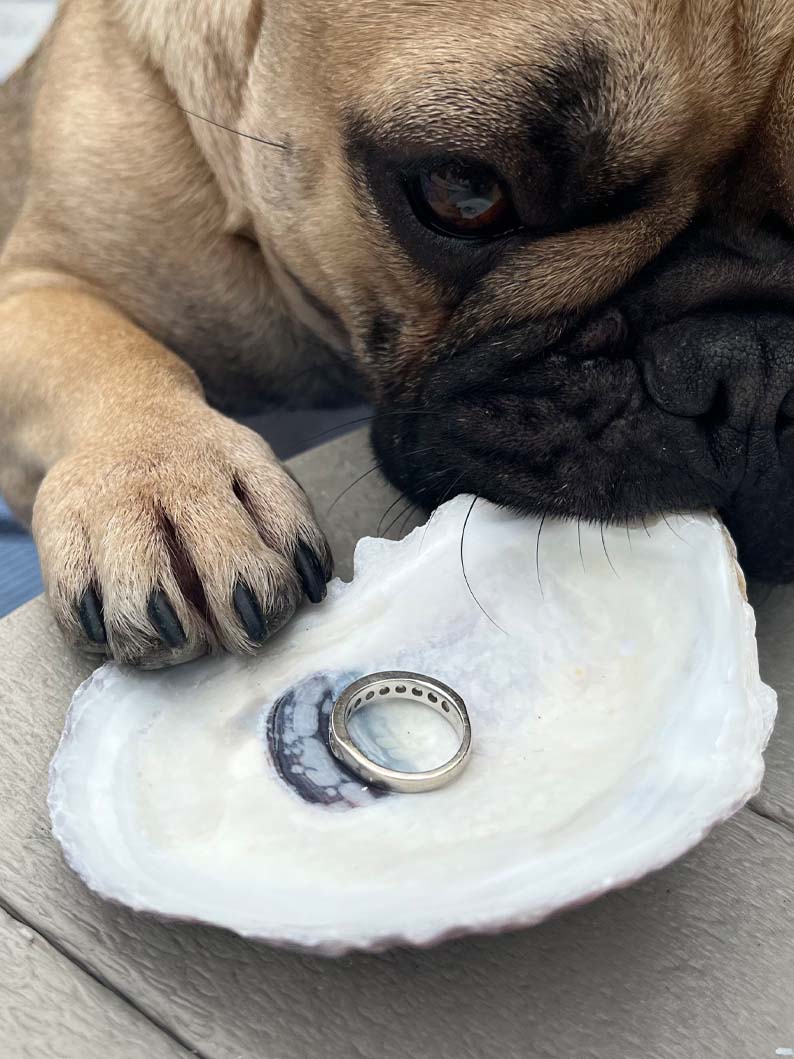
<point>159,546</point>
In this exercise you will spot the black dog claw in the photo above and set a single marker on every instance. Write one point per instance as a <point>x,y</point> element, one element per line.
<point>250,613</point>
<point>311,573</point>
<point>164,619</point>
<point>91,617</point>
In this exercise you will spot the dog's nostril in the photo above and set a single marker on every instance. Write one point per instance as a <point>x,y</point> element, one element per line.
<point>787,407</point>
<point>689,395</point>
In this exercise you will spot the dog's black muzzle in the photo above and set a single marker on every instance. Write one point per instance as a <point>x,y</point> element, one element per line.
<point>677,396</point>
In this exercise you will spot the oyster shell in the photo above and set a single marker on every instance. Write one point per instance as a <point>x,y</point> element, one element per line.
<point>617,713</point>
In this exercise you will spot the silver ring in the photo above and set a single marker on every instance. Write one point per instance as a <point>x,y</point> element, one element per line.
<point>408,687</point>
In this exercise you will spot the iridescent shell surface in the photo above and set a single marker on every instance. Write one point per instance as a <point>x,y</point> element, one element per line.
<point>617,713</point>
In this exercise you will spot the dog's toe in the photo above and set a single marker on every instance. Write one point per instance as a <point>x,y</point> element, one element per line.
<point>312,572</point>
<point>156,559</point>
<point>165,621</point>
<point>250,614</point>
<point>92,621</point>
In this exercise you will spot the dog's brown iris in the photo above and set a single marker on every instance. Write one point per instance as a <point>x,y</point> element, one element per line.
<point>464,200</point>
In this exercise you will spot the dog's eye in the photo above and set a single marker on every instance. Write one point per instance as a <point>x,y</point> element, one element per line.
<point>461,200</point>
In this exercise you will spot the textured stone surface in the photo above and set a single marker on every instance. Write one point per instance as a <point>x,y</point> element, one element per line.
<point>51,1009</point>
<point>692,963</point>
<point>775,615</point>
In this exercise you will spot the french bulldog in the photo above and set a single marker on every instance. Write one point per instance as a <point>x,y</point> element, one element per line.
<point>550,240</point>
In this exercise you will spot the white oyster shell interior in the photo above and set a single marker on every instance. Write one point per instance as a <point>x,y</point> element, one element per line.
<point>616,708</point>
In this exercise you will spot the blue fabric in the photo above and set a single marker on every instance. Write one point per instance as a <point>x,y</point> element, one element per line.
<point>20,578</point>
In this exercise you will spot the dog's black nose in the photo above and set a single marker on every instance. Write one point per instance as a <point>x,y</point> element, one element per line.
<point>724,369</point>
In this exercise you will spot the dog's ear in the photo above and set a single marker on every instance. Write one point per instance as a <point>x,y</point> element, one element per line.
<point>205,61</point>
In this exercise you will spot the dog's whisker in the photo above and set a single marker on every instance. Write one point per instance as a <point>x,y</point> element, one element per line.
<point>444,498</point>
<point>386,514</point>
<point>376,466</point>
<point>411,511</point>
<point>368,419</point>
<point>537,554</point>
<point>397,517</point>
<point>352,485</point>
<point>463,568</point>
<point>606,553</point>
<point>395,502</point>
<point>675,534</point>
<point>338,426</point>
<point>218,124</point>
<point>581,553</point>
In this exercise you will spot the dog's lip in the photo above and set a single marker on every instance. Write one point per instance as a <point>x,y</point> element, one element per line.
<point>502,466</point>
<point>506,477</point>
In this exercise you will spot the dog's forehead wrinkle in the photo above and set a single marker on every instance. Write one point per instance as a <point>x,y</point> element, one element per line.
<point>583,110</point>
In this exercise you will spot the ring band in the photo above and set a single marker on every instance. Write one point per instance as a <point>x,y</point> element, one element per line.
<point>406,687</point>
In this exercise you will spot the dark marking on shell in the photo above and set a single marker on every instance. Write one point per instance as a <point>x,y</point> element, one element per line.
<point>297,740</point>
